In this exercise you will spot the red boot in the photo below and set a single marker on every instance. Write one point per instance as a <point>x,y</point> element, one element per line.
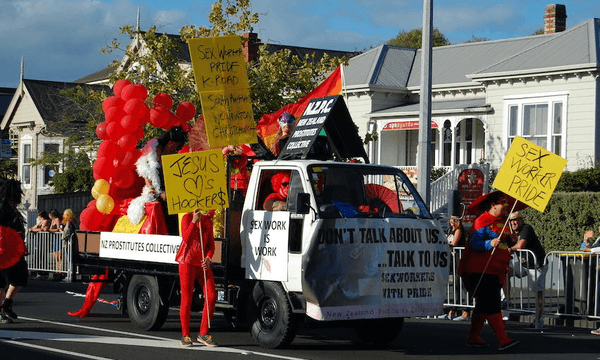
<point>497,325</point>
<point>91,295</point>
<point>477,322</point>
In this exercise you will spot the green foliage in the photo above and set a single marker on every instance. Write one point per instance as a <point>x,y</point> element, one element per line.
<point>580,180</point>
<point>565,219</point>
<point>474,39</point>
<point>8,167</point>
<point>77,174</point>
<point>413,39</point>
<point>437,173</point>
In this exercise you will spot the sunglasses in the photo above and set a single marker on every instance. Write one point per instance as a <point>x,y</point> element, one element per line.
<point>285,184</point>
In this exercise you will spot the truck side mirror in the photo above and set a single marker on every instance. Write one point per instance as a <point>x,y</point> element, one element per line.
<point>302,203</point>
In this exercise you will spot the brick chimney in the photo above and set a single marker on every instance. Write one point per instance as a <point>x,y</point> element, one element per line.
<point>250,47</point>
<point>555,18</point>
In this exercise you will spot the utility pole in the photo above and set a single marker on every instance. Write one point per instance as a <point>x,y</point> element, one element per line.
<point>424,149</point>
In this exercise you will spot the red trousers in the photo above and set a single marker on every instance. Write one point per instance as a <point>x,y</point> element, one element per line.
<point>188,275</point>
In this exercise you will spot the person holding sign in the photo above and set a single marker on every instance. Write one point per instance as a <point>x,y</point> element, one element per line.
<point>277,200</point>
<point>194,258</point>
<point>483,267</point>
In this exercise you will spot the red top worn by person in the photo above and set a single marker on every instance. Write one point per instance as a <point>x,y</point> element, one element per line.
<point>195,258</point>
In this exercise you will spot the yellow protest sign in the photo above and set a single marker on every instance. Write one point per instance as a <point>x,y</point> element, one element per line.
<point>529,173</point>
<point>222,82</point>
<point>228,118</point>
<point>218,63</point>
<point>195,180</point>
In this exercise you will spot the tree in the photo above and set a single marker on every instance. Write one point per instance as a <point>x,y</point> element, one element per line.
<point>275,80</point>
<point>413,39</point>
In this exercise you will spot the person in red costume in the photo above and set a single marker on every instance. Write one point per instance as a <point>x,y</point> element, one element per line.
<point>277,200</point>
<point>194,258</point>
<point>13,267</point>
<point>484,266</point>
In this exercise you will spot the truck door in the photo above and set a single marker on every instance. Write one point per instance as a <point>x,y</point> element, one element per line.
<point>274,230</point>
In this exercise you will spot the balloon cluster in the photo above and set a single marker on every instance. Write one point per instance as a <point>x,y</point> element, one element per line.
<point>125,115</point>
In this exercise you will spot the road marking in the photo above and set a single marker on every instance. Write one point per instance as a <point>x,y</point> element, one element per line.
<point>15,337</point>
<point>49,349</point>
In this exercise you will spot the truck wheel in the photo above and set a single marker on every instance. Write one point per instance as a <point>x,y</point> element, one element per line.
<point>270,316</point>
<point>145,308</point>
<point>378,332</point>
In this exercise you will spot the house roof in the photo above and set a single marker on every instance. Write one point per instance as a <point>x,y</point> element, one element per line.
<point>51,105</point>
<point>459,64</point>
<point>6,95</point>
<point>48,100</point>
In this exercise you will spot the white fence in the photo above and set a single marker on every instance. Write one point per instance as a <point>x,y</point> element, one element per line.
<point>571,287</point>
<point>49,254</point>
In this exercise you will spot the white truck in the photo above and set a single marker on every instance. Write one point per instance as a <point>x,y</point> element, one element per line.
<point>355,245</point>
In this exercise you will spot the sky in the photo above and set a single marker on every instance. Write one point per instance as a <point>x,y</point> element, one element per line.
<point>61,40</point>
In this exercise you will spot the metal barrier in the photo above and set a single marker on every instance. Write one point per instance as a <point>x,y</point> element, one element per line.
<point>49,254</point>
<point>570,283</point>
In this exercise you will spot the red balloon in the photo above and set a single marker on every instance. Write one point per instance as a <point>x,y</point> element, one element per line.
<point>162,100</point>
<point>138,134</point>
<point>126,142</point>
<point>119,85</point>
<point>101,131</point>
<point>135,107</point>
<point>112,101</point>
<point>108,149</point>
<point>186,111</point>
<point>103,168</point>
<point>141,91</point>
<point>159,117</point>
<point>125,179</point>
<point>114,130</point>
<point>129,158</point>
<point>89,219</point>
<point>137,91</point>
<point>114,114</point>
<point>129,123</point>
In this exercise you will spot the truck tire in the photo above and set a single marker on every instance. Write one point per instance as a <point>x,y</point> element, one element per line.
<point>378,332</point>
<point>144,305</point>
<point>272,323</point>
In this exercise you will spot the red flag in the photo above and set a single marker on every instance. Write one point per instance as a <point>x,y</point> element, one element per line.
<point>267,125</point>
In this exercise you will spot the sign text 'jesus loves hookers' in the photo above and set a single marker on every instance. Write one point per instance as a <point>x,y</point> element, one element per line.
<point>195,180</point>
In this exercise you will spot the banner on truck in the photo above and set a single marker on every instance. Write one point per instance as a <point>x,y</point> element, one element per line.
<point>529,173</point>
<point>366,268</point>
<point>222,82</point>
<point>267,251</point>
<point>146,247</point>
<point>195,180</point>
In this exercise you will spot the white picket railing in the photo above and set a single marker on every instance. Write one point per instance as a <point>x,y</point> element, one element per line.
<point>49,254</point>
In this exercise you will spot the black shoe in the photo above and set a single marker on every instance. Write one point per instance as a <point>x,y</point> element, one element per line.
<point>509,345</point>
<point>6,311</point>
<point>5,319</point>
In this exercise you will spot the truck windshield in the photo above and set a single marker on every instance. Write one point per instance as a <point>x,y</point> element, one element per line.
<point>350,190</point>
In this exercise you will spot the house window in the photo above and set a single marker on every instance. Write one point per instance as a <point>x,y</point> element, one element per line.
<point>51,169</point>
<point>25,162</point>
<point>539,119</point>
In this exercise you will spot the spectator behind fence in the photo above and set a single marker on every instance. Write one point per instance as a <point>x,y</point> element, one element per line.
<point>586,244</point>
<point>56,226</point>
<point>42,223</point>
<point>526,239</point>
<point>456,236</point>
<point>68,229</point>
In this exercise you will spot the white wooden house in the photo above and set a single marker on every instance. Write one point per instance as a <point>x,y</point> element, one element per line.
<point>34,106</point>
<point>544,88</point>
